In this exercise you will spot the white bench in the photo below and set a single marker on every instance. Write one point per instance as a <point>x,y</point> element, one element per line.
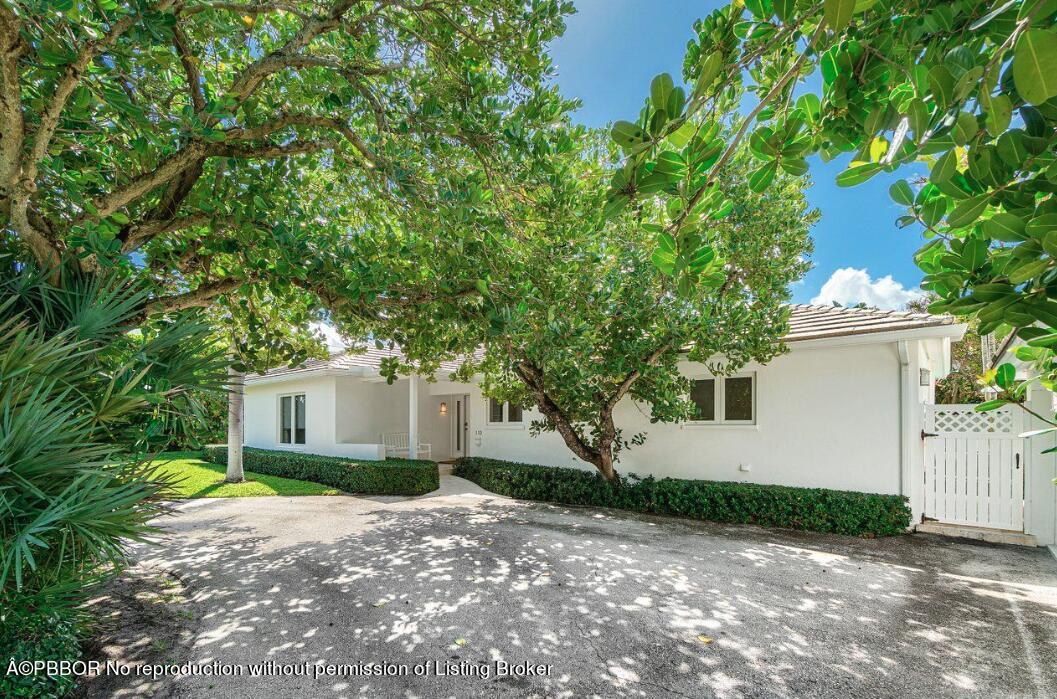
<point>396,444</point>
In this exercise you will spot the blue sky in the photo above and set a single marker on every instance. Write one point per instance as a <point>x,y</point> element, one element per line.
<point>607,57</point>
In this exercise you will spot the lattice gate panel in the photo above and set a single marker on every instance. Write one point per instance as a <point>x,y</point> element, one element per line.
<point>974,466</point>
<point>964,418</point>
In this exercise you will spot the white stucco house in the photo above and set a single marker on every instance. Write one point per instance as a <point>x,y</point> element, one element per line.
<point>848,407</point>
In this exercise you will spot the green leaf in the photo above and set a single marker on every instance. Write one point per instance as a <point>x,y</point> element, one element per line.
<point>999,114</point>
<point>967,211</point>
<point>933,210</point>
<point>1006,375</point>
<point>671,164</point>
<point>901,193</point>
<point>945,168</point>
<point>974,254</point>
<point>664,261</point>
<point>989,405</point>
<point>710,67</point>
<point>1005,227</point>
<point>1035,65</point>
<point>794,166</point>
<point>659,90</point>
<point>838,13</point>
<point>858,174</point>
<point>1028,271</point>
<point>627,135</point>
<point>615,205</point>
<point>1040,226</point>
<point>1002,7</point>
<point>761,178</point>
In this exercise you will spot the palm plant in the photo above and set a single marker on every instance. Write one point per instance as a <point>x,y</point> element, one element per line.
<point>87,392</point>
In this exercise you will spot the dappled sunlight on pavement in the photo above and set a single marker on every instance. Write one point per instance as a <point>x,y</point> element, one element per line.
<point>615,603</point>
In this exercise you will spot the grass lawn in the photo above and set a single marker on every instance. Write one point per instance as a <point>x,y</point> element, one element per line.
<point>198,479</point>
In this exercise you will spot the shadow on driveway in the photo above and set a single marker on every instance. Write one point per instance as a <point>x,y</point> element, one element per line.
<point>610,603</point>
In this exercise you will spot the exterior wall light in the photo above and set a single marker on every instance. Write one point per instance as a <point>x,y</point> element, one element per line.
<point>443,408</point>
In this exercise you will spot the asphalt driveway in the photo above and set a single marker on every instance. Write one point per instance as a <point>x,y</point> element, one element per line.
<point>455,584</point>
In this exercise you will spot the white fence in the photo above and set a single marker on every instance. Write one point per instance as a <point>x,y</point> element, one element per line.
<point>974,466</point>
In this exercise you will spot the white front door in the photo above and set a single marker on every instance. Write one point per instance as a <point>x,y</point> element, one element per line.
<point>460,425</point>
<point>974,466</point>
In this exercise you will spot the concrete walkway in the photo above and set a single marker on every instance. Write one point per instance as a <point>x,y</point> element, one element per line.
<point>605,603</point>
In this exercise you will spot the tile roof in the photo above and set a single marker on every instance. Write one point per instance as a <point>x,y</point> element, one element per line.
<point>367,358</point>
<point>806,322</point>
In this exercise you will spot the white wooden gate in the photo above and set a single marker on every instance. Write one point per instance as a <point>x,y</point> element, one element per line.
<point>974,466</point>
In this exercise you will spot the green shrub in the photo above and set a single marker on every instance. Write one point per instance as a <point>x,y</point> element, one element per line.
<point>389,477</point>
<point>814,509</point>
<point>31,633</point>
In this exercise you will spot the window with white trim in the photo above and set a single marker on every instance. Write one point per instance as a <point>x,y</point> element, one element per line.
<point>725,400</point>
<point>292,419</point>
<point>500,412</point>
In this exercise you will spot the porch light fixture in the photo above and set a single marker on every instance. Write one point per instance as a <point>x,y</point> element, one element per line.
<point>443,408</point>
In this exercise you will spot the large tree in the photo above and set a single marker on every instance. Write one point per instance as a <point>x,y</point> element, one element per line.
<point>235,151</point>
<point>576,313</point>
<point>966,88</point>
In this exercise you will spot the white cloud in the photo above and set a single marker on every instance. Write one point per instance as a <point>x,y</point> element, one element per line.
<point>849,286</point>
<point>335,342</point>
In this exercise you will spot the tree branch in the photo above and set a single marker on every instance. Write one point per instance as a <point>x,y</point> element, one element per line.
<point>137,235</point>
<point>250,78</point>
<point>200,297</point>
<point>533,379</point>
<point>713,174</point>
<point>239,8</point>
<point>49,119</point>
<point>190,65</point>
<point>12,123</point>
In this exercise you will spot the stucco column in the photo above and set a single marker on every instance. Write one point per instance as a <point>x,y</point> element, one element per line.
<point>412,418</point>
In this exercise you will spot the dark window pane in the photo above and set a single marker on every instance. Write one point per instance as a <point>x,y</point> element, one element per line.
<point>495,410</point>
<point>285,413</point>
<point>703,394</point>
<point>737,401</point>
<point>513,413</point>
<point>299,419</point>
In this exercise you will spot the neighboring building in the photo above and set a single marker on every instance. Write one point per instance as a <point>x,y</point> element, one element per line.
<point>845,408</point>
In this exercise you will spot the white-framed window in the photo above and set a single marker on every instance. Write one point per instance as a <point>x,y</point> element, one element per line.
<point>500,413</point>
<point>292,418</point>
<point>724,400</point>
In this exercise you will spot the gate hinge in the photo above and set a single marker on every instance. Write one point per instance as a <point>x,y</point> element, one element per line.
<point>928,434</point>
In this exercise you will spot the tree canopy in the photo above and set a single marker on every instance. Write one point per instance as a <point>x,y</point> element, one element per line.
<point>234,152</point>
<point>965,88</point>
<point>573,312</point>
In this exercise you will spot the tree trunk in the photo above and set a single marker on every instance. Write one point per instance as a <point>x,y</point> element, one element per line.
<point>605,465</point>
<point>236,429</point>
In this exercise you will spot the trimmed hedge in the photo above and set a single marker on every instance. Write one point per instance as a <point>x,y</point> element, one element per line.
<point>389,477</point>
<point>814,509</point>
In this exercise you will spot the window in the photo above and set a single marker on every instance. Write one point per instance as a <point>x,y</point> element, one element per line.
<point>725,400</point>
<point>703,393</point>
<point>292,419</point>
<point>499,412</point>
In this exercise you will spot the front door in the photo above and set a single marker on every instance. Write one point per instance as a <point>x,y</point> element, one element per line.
<point>460,424</point>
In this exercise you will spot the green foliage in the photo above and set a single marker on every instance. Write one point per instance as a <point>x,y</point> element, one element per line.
<point>29,631</point>
<point>814,509</point>
<point>583,307</point>
<point>389,477</point>
<point>232,155</point>
<point>79,394</point>
<point>967,89</point>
